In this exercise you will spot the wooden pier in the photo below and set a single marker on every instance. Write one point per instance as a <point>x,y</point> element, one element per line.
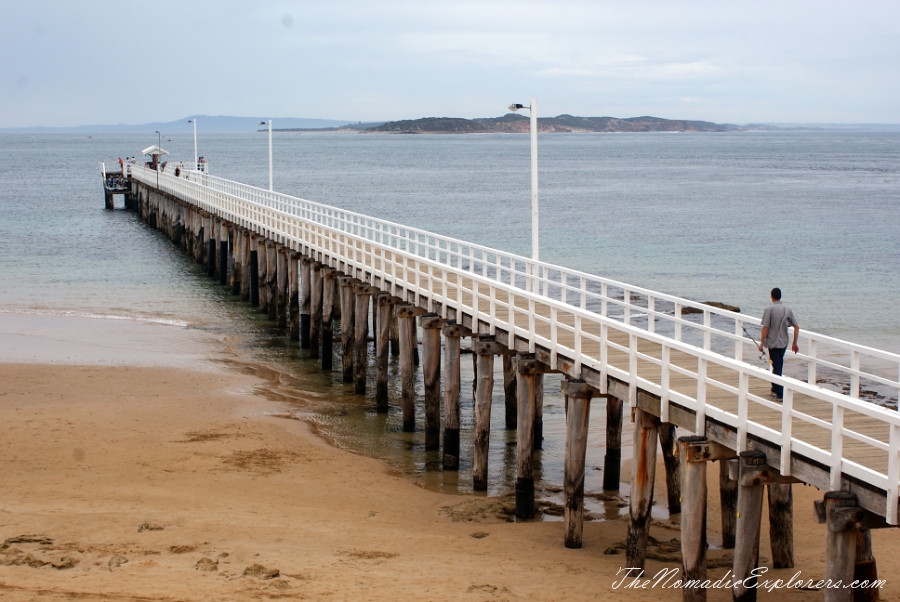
<point>672,363</point>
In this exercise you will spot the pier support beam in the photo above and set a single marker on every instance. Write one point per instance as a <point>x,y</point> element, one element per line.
<point>431,374</point>
<point>271,278</point>
<point>866,569</point>
<point>211,252</point>
<point>484,348</point>
<point>526,369</point>
<point>728,493</point>
<point>509,389</point>
<point>363,293</point>
<point>237,254</point>
<point>753,476</point>
<point>451,372</point>
<point>406,325</point>
<point>693,451</point>
<point>643,473</point>
<point>348,324</point>
<point>612,459</point>
<point>538,411</point>
<point>578,413</point>
<point>305,300</point>
<point>281,287</point>
<point>262,276</point>
<point>384,308</point>
<point>244,243</point>
<point>749,514</point>
<point>222,261</point>
<point>848,546</point>
<point>293,297</point>
<point>315,311</point>
<point>781,524</point>
<point>328,277</point>
<point>253,269</point>
<point>668,444</point>
<point>840,543</point>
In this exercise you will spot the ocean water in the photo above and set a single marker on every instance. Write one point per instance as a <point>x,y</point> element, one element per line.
<point>710,217</point>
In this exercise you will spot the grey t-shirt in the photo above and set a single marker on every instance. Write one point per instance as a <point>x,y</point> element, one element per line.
<point>778,318</point>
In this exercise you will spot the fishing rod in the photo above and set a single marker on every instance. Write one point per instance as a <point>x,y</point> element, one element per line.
<point>762,354</point>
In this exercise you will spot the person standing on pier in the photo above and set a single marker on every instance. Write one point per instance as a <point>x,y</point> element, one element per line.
<point>775,322</point>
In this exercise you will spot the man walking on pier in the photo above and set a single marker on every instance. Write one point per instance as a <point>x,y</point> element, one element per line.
<point>775,322</point>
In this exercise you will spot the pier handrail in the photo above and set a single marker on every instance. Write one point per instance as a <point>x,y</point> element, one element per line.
<point>506,289</point>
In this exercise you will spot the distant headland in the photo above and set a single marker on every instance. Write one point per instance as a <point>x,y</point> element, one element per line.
<point>512,123</point>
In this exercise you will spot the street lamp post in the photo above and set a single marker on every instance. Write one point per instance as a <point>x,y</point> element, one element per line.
<point>158,155</point>
<point>532,108</point>
<point>270,150</point>
<point>194,121</point>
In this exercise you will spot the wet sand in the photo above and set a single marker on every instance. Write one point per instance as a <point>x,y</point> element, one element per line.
<point>150,482</point>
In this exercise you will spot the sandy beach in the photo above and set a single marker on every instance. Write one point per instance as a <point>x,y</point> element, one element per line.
<point>161,483</point>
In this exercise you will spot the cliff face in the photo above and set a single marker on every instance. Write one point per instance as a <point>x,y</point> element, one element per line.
<point>514,123</point>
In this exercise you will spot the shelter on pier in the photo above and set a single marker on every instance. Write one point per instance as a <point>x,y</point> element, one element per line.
<point>155,152</point>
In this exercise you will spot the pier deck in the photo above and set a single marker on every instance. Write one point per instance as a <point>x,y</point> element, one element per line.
<point>676,363</point>
<point>685,362</point>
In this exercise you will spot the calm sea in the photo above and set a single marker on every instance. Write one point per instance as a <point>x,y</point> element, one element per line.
<point>711,217</point>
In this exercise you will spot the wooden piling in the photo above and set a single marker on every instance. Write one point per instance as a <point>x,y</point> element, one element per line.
<point>363,294</point>
<point>406,318</point>
<point>749,514</point>
<point>348,325</point>
<point>293,297</point>
<point>484,349</point>
<point>643,473</point>
<point>254,277</point>
<point>305,300</point>
<point>693,520</point>
<point>579,394</point>
<point>865,568</point>
<point>244,241</point>
<point>395,336</point>
<point>668,445</point>
<point>781,524</point>
<point>222,261</point>
<point>612,459</point>
<point>431,373</point>
<point>509,389</point>
<point>538,437</point>
<point>315,312</point>
<point>237,253</point>
<point>262,276</point>
<point>281,287</point>
<point>840,544</point>
<point>329,276</point>
<point>728,494</point>
<point>271,278</point>
<point>385,309</point>
<point>452,333</point>
<point>526,370</point>
<point>211,253</point>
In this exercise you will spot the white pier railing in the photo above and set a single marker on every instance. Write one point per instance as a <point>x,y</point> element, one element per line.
<point>589,322</point>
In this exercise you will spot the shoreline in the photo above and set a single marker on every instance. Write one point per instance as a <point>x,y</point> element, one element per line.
<point>137,482</point>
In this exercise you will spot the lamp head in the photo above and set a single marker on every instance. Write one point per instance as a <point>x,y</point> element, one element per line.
<point>515,107</point>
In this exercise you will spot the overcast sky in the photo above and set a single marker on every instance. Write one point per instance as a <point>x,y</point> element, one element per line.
<point>93,62</point>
